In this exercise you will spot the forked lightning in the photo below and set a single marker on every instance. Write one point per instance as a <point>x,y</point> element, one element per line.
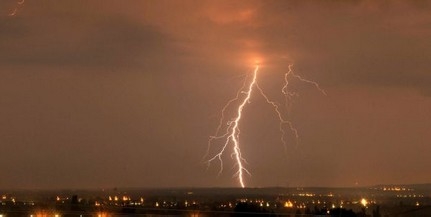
<point>230,137</point>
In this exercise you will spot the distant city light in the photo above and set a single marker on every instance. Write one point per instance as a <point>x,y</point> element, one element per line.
<point>284,203</point>
<point>102,214</point>
<point>288,204</point>
<point>364,202</point>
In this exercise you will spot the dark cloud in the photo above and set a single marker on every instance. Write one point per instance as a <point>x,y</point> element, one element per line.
<point>106,41</point>
<point>363,42</point>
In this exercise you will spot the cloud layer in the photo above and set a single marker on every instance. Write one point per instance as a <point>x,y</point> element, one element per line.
<point>106,93</point>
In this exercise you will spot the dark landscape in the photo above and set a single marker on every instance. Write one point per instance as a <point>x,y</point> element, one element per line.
<point>376,201</point>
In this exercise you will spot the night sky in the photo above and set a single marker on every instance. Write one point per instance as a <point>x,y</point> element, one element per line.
<point>104,93</point>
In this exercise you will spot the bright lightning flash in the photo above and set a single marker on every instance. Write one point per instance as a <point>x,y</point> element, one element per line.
<point>231,135</point>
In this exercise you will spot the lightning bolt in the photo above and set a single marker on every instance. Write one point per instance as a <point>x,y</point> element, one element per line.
<point>286,80</point>
<point>232,132</point>
<point>18,6</point>
<point>13,13</point>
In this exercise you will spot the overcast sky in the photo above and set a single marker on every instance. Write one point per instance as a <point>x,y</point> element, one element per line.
<point>108,93</point>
